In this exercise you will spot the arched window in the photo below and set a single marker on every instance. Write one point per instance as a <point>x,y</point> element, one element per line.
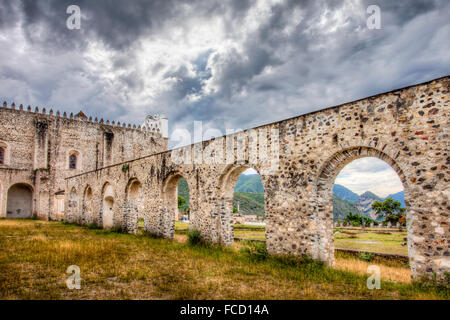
<point>73,161</point>
<point>2,155</point>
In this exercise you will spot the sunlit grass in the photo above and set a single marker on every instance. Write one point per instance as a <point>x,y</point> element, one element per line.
<point>389,270</point>
<point>384,241</point>
<point>34,256</point>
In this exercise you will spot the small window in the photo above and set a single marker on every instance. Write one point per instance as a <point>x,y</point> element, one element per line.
<point>72,161</point>
<point>2,155</point>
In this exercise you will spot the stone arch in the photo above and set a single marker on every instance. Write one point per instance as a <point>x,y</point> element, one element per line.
<point>74,157</point>
<point>87,209</point>
<point>133,189</point>
<point>222,214</point>
<point>133,207</point>
<point>340,159</point>
<point>19,201</point>
<point>169,210</point>
<point>108,204</point>
<point>324,185</point>
<point>73,206</point>
<point>4,154</point>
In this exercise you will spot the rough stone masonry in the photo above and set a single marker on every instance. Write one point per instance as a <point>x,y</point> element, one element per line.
<point>38,149</point>
<point>407,128</point>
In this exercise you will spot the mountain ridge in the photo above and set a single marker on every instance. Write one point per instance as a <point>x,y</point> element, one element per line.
<point>249,192</point>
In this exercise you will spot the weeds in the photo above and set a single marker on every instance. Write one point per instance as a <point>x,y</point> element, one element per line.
<point>194,237</point>
<point>145,268</point>
<point>93,226</point>
<point>366,256</point>
<point>255,250</point>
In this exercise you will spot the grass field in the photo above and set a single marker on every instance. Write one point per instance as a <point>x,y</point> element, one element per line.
<point>372,240</point>
<point>382,241</point>
<point>34,256</point>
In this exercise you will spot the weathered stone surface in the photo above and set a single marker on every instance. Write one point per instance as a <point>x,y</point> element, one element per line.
<point>38,146</point>
<point>397,127</point>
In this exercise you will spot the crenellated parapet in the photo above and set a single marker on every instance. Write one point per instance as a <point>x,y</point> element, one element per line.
<point>154,124</point>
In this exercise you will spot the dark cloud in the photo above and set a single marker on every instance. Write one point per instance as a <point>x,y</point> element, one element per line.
<point>229,63</point>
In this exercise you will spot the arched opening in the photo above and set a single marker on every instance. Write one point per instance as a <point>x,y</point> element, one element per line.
<point>108,203</point>
<point>176,197</point>
<point>74,160</point>
<point>243,217</point>
<point>133,209</point>
<point>19,201</point>
<point>183,201</point>
<point>362,194</point>
<point>59,204</point>
<point>2,155</point>
<point>73,206</point>
<point>87,213</point>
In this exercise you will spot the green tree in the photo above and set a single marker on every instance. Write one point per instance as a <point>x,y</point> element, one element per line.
<point>181,202</point>
<point>389,210</point>
<point>357,220</point>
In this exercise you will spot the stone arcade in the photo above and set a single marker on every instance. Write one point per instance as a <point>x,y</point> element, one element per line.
<point>407,128</point>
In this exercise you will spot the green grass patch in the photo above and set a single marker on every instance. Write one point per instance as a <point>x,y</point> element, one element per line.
<point>33,261</point>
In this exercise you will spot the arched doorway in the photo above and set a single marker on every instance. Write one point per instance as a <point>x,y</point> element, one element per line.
<point>370,219</point>
<point>133,208</point>
<point>72,215</point>
<point>108,203</point>
<point>86,214</point>
<point>241,213</point>
<point>171,211</point>
<point>325,183</point>
<point>19,201</point>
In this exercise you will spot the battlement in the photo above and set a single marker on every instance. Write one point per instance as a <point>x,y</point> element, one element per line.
<point>159,126</point>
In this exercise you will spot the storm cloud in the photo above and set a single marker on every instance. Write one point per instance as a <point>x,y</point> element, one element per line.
<point>230,64</point>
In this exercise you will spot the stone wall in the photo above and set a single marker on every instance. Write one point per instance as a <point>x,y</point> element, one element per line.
<point>407,128</point>
<point>38,146</point>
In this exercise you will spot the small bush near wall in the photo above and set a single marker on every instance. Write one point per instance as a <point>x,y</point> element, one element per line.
<point>194,237</point>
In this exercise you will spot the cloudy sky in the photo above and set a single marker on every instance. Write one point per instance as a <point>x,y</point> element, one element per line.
<point>231,64</point>
<point>370,174</point>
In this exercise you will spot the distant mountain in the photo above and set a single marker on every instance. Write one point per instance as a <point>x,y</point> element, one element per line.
<point>364,204</point>
<point>249,192</point>
<point>361,205</point>
<point>399,196</point>
<point>249,203</point>
<point>249,183</point>
<point>344,193</point>
<point>341,208</point>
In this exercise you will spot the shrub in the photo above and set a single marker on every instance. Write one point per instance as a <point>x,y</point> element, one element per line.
<point>93,226</point>
<point>194,237</point>
<point>256,250</point>
<point>366,256</point>
<point>118,229</point>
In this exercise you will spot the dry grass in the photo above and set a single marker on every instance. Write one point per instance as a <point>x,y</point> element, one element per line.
<point>394,271</point>
<point>34,256</point>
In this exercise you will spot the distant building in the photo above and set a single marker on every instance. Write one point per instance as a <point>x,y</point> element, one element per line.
<point>39,149</point>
